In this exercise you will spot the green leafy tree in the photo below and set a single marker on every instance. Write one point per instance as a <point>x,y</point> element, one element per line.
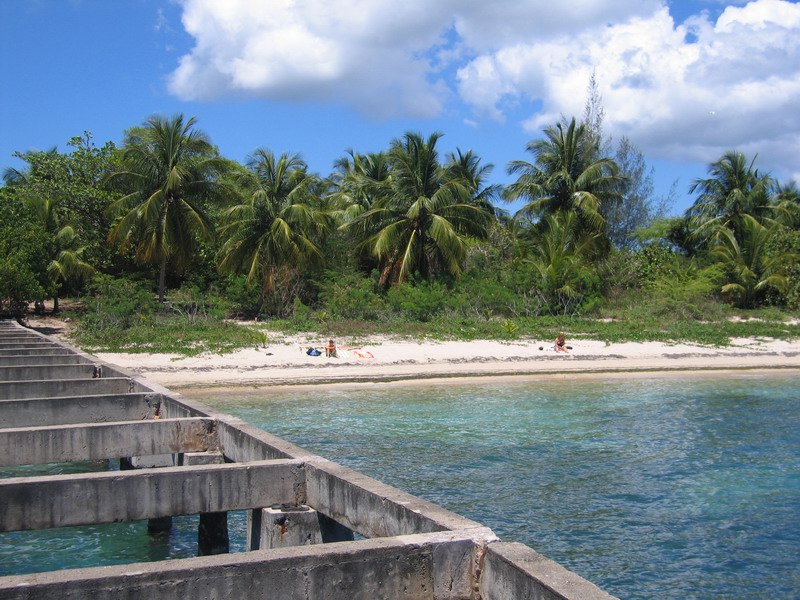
<point>73,183</point>
<point>424,220</point>
<point>749,269</point>
<point>567,176</point>
<point>278,228</point>
<point>168,171</point>
<point>24,246</point>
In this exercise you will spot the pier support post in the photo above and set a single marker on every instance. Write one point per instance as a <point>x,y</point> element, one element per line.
<point>212,533</point>
<point>284,525</point>
<point>157,525</point>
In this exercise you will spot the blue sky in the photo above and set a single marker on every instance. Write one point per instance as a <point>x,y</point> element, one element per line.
<point>684,80</point>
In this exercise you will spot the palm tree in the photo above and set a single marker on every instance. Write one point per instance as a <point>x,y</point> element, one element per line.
<point>750,270</point>
<point>66,258</point>
<point>425,217</point>
<point>168,170</point>
<point>278,225</point>
<point>560,257</point>
<point>467,167</point>
<point>359,180</point>
<point>733,191</point>
<point>566,176</point>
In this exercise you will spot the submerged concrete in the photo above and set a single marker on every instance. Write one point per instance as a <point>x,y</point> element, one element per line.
<point>193,460</point>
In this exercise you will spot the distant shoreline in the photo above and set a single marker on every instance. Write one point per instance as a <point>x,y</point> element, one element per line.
<point>400,362</point>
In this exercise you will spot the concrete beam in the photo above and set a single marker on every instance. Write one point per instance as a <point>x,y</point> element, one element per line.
<point>45,372</point>
<point>512,570</point>
<point>103,408</point>
<point>10,390</point>
<point>111,497</point>
<point>372,508</point>
<point>34,351</point>
<point>32,343</point>
<point>53,357</point>
<point>67,443</point>
<point>418,567</point>
<point>242,442</point>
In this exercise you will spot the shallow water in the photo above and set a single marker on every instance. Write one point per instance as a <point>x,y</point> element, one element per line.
<point>649,487</point>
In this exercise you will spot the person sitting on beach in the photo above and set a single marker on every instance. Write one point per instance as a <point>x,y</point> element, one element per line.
<point>330,349</point>
<point>560,343</point>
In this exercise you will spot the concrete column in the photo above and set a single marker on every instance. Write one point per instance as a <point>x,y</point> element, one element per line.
<point>283,526</point>
<point>159,525</point>
<point>212,533</point>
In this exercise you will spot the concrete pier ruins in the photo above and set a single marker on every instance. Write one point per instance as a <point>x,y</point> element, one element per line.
<point>316,530</point>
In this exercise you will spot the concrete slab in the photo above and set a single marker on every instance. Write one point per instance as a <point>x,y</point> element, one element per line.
<point>99,441</point>
<point>100,408</point>
<point>46,372</point>
<point>10,390</point>
<point>111,497</point>
<point>420,567</point>
<point>512,571</point>
<point>53,357</point>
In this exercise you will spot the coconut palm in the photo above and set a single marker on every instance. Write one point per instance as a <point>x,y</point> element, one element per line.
<point>750,270</point>
<point>66,253</point>
<point>467,167</point>
<point>785,204</point>
<point>560,258</point>
<point>359,179</point>
<point>424,219</point>
<point>168,171</point>
<point>566,176</point>
<point>733,191</point>
<point>278,225</point>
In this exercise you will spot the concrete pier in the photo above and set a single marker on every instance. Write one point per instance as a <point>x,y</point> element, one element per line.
<point>58,404</point>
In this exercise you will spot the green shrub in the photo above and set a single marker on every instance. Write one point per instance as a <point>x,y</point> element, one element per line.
<point>417,302</point>
<point>118,303</point>
<point>352,297</point>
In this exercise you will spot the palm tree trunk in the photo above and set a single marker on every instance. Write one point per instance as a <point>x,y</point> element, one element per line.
<point>55,304</point>
<point>162,279</point>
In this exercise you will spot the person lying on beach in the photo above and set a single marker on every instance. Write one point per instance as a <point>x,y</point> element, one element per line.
<point>330,349</point>
<point>560,343</point>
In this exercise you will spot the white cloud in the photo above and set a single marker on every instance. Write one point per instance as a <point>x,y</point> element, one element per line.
<point>369,54</point>
<point>686,90</point>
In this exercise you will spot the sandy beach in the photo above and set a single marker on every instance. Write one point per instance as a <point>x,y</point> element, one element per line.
<point>391,360</point>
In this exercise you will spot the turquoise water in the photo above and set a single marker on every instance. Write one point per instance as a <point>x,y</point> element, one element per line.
<point>651,488</point>
<point>648,487</point>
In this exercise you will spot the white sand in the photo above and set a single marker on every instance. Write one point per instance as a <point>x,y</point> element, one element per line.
<point>383,359</point>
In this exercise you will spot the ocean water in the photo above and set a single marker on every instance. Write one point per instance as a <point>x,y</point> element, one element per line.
<point>650,487</point>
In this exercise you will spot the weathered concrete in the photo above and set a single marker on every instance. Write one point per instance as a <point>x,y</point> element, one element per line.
<point>417,550</point>
<point>78,409</point>
<point>419,567</point>
<point>65,443</point>
<point>512,571</point>
<point>44,371</point>
<point>372,508</point>
<point>49,358</point>
<point>10,390</point>
<point>34,352</point>
<point>22,344</point>
<point>111,497</point>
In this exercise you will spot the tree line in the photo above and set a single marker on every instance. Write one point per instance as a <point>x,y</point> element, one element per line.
<point>410,227</point>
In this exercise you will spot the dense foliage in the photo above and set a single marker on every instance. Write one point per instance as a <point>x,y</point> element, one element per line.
<point>408,240</point>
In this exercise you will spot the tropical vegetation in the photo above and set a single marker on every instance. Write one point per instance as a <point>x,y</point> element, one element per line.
<point>163,234</point>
